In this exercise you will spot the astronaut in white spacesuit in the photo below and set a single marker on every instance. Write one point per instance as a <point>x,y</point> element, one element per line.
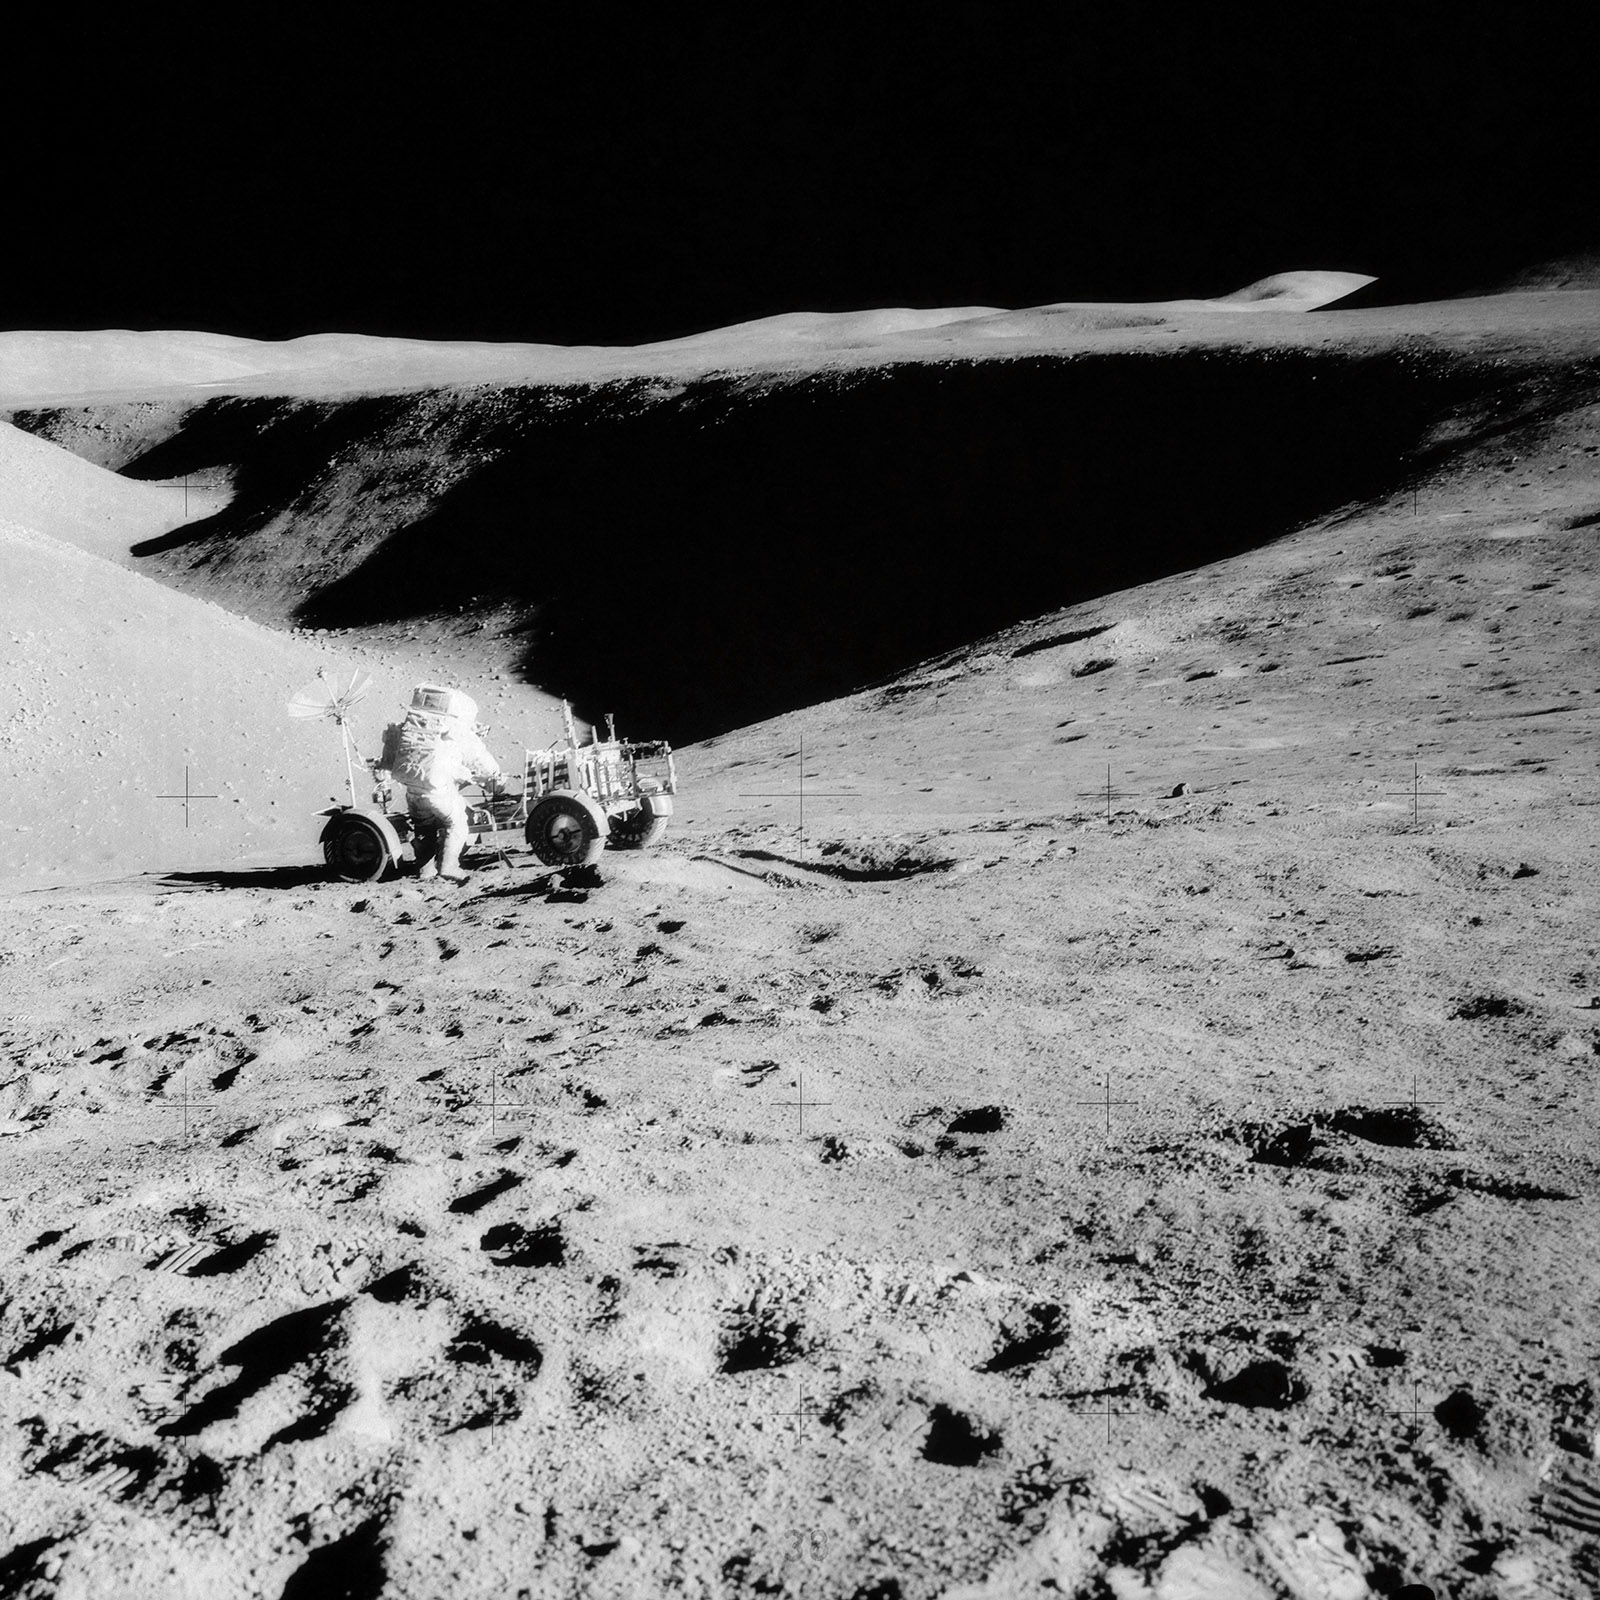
<point>436,749</point>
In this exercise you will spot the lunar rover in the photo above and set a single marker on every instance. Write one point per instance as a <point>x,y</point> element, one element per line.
<point>576,800</point>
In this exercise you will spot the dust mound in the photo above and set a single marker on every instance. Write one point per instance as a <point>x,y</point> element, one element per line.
<point>1295,291</point>
<point>53,367</point>
<point>55,360</point>
<point>44,368</point>
<point>54,492</point>
<point>119,688</point>
<point>838,329</point>
<point>123,692</point>
<point>1065,318</point>
<point>1564,273</point>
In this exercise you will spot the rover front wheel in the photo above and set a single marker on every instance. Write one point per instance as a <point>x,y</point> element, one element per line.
<point>355,849</point>
<point>566,830</point>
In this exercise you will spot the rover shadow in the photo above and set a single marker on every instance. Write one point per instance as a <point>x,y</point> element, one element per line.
<point>247,878</point>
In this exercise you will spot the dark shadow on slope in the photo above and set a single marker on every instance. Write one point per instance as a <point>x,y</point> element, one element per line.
<point>276,448</point>
<point>695,557</point>
<point>736,550</point>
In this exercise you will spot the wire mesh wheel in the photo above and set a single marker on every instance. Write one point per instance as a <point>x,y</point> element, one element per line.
<point>566,830</point>
<point>355,849</point>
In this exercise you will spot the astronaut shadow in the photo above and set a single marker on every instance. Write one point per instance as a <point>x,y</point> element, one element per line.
<point>553,885</point>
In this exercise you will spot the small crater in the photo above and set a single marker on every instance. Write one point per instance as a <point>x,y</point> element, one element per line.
<point>1402,1127</point>
<point>981,1119</point>
<point>44,1340</point>
<point>353,1568</point>
<point>757,1341</point>
<point>23,1568</point>
<point>402,1284</point>
<point>1262,1385</point>
<point>298,1338</point>
<point>956,1440</point>
<point>1056,639</point>
<point>511,1245</point>
<point>653,1258</point>
<point>1477,1007</point>
<point>1460,1415</point>
<point>1293,1144</point>
<point>871,865</point>
<point>480,1341</point>
<point>1503,1188</point>
<point>1089,668</point>
<point>879,1589</point>
<point>232,1256</point>
<point>1195,677</point>
<point>1045,1334</point>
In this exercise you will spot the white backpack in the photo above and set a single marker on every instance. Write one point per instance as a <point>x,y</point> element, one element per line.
<point>418,753</point>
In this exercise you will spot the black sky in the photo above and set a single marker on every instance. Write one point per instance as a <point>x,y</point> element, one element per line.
<point>644,173</point>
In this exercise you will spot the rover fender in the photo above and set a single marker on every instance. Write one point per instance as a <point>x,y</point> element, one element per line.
<point>381,820</point>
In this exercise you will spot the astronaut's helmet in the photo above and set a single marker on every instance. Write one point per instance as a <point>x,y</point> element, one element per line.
<point>433,700</point>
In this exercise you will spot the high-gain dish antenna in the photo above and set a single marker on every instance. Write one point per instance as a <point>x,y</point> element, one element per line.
<point>325,698</point>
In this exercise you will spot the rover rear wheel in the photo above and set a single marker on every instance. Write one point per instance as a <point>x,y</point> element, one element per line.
<point>636,830</point>
<point>355,849</point>
<point>566,830</point>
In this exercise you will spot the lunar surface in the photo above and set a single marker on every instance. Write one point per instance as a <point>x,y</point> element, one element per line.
<point>1093,1095</point>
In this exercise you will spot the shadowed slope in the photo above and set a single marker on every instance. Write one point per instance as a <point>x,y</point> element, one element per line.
<point>728,552</point>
